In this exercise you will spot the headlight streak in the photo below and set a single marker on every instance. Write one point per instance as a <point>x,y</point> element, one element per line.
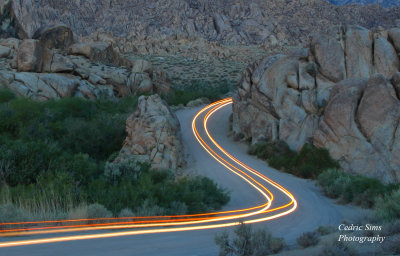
<point>183,223</point>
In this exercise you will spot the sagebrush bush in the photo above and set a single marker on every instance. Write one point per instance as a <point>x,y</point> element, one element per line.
<point>338,249</point>
<point>326,230</point>
<point>309,162</point>
<point>349,188</point>
<point>6,95</point>
<point>98,211</point>
<point>126,213</point>
<point>11,213</point>
<point>249,242</point>
<point>388,206</point>
<point>391,246</point>
<point>53,163</point>
<point>196,90</point>
<point>127,167</point>
<point>308,239</point>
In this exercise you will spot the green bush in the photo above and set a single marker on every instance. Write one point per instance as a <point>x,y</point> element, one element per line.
<point>309,162</point>
<point>98,211</point>
<point>53,163</point>
<point>308,239</point>
<point>350,188</point>
<point>387,207</point>
<point>6,95</point>
<point>247,242</point>
<point>338,249</point>
<point>326,230</point>
<point>197,89</point>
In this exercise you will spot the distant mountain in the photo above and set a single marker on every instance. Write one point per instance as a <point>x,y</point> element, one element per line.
<point>385,3</point>
<point>227,21</point>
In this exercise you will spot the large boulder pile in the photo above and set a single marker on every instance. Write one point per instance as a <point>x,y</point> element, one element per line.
<point>342,93</point>
<point>154,135</point>
<point>53,65</point>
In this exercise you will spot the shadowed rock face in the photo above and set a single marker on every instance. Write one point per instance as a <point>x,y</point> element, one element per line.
<point>230,21</point>
<point>154,135</point>
<point>343,95</point>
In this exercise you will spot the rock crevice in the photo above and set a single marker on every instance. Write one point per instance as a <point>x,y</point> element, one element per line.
<point>339,99</point>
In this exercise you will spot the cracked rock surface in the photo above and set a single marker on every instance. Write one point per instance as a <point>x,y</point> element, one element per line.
<point>154,135</point>
<point>342,95</point>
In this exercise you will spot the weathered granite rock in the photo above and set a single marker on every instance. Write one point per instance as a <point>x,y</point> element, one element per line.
<point>291,98</point>
<point>4,51</point>
<point>91,70</point>
<point>385,56</point>
<point>33,56</point>
<point>99,52</point>
<point>359,127</point>
<point>154,135</point>
<point>57,36</point>
<point>358,45</point>
<point>329,55</point>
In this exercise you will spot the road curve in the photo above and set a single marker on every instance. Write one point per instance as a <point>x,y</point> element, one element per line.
<point>255,199</point>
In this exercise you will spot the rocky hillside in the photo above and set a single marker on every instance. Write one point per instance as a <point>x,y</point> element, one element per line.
<point>341,93</point>
<point>227,21</point>
<point>54,65</point>
<point>385,3</point>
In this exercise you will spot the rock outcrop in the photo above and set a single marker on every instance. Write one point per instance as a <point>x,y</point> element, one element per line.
<point>154,135</point>
<point>55,36</point>
<point>341,94</point>
<point>53,66</point>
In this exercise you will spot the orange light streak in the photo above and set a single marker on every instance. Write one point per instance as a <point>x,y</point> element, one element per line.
<point>182,223</point>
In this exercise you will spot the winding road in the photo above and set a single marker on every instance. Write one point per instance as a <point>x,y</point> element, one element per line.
<point>287,205</point>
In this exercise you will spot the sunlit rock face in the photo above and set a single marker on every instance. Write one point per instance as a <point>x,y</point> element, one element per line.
<point>341,93</point>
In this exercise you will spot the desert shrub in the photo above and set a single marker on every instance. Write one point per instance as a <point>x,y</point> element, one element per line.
<point>337,249</point>
<point>98,137</point>
<point>362,191</point>
<point>78,212</point>
<point>128,167</point>
<point>98,211</point>
<point>391,246</point>
<point>197,89</point>
<point>6,95</point>
<point>247,242</point>
<point>308,239</point>
<point>391,228</point>
<point>153,190</point>
<point>278,154</point>
<point>349,188</point>
<point>126,213</point>
<point>53,163</point>
<point>96,128</point>
<point>325,230</point>
<point>149,208</point>
<point>387,207</point>
<point>10,213</point>
<point>26,160</point>
<point>309,162</point>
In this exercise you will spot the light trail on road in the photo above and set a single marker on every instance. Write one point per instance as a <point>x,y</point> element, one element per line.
<point>174,223</point>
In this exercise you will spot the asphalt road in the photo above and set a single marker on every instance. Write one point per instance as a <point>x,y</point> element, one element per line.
<point>313,208</point>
